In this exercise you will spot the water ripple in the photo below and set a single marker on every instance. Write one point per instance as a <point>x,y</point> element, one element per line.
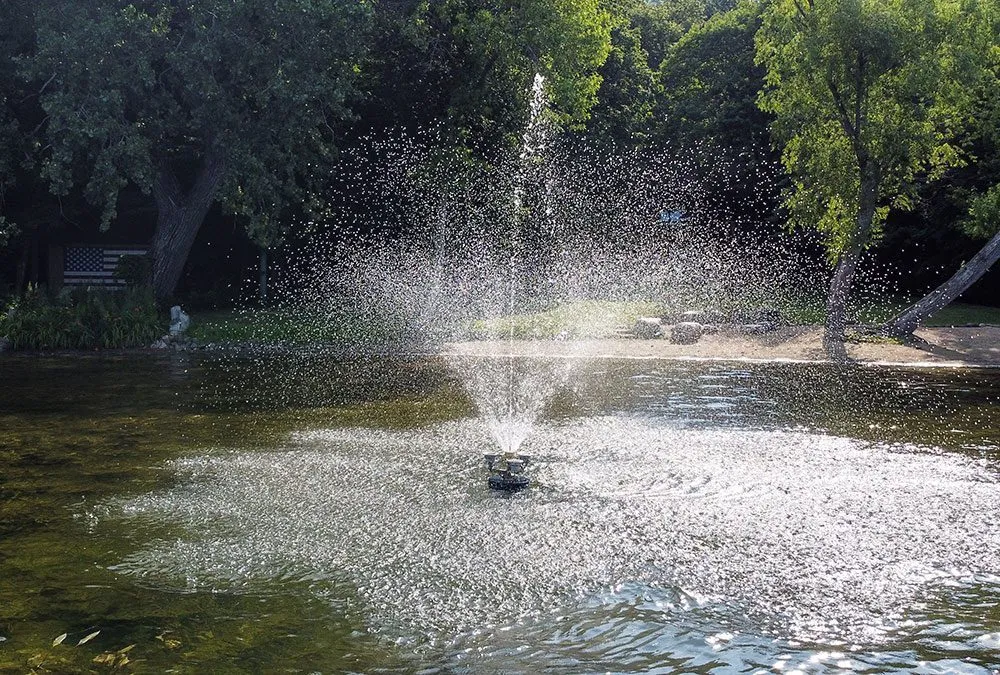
<point>793,548</point>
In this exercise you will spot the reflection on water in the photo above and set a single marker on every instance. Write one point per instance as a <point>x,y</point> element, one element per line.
<point>304,513</point>
<point>636,529</point>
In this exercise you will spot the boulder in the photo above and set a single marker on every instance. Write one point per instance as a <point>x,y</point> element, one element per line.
<point>179,320</point>
<point>686,333</point>
<point>647,328</point>
<point>5,344</point>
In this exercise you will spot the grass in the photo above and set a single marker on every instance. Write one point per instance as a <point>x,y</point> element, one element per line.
<point>958,314</point>
<point>582,319</point>
<point>579,320</point>
<point>292,328</point>
<point>811,312</point>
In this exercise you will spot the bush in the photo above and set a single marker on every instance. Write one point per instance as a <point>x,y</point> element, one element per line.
<point>135,270</point>
<point>82,319</point>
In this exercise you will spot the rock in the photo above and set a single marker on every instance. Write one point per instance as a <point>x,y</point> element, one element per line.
<point>179,320</point>
<point>160,344</point>
<point>754,328</point>
<point>647,328</point>
<point>686,333</point>
<point>5,344</point>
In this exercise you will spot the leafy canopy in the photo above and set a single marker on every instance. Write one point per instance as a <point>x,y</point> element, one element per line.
<point>479,58</point>
<point>135,88</point>
<point>711,82</point>
<point>874,87</point>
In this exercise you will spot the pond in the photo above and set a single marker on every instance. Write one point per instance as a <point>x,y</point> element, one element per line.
<point>300,513</point>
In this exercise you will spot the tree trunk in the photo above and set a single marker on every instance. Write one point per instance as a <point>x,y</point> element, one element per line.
<point>910,318</point>
<point>179,217</point>
<point>262,277</point>
<point>847,265</point>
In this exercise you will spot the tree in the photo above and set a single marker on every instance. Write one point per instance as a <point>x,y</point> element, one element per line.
<point>710,83</point>
<point>15,38</point>
<point>626,99</point>
<point>471,62</point>
<point>984,216</point>
<point>980,192</point>
<point>868,97</point>
<point>229,102</point>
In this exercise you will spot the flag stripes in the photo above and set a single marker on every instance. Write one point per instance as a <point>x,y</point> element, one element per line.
<point>96,265</point>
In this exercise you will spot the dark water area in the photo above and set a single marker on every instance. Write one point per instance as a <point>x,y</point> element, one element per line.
<point>302,513</point>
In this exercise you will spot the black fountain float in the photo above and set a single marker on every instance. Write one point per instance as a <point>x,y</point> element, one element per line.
<point>507,471</point>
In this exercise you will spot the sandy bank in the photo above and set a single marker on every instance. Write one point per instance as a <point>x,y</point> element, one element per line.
<point>955,347</point>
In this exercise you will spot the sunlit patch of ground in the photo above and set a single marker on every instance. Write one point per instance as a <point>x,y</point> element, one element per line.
<point>972,346</point>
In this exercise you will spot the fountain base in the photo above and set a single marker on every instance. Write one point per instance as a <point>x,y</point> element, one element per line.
<point>508,482</point>
<point>507,471</point>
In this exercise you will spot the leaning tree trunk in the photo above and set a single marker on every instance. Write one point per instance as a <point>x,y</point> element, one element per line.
<point>179,217</point>
<point>847,266</point>
<point>910,318</point>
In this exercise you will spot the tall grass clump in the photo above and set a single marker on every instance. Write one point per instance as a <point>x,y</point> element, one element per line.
<point>82,319</point>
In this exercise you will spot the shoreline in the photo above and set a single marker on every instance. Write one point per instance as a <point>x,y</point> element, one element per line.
<point>955,347</point>
<point>937,347</point>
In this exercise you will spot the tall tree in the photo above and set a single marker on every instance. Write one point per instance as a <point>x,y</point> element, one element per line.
<point>471,62</point>
<point>16,35</point>
<point>868,97</point>
<point>978,191</point>
<point>626,99</point>
<point>711,83</point>
<point>234,102</point>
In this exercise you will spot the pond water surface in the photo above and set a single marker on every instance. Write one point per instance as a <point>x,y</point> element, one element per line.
<point>300,513</point>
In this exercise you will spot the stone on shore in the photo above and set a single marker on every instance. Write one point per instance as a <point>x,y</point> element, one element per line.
<point>647,328</point>
<point>686,333</point>
<point>179,320</point>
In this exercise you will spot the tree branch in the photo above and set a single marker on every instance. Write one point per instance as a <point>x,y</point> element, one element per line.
<point>845,118</point>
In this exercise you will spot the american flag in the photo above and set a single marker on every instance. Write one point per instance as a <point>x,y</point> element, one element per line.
<point>96,265</point>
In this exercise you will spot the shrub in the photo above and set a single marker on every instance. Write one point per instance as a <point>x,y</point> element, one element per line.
<point>82,319</point>
<point>135,270</point>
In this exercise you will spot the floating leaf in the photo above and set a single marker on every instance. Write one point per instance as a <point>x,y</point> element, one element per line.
<point>59,640</point>
<point>88,638</point>
<point>107,658</point>
<point>170,643</point>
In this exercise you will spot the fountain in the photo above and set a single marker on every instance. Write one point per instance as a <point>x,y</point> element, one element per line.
<point>695,515</point>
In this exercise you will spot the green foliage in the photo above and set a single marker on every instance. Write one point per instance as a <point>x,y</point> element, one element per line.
<point>136,90</point>
<point>710,83</point>
<point>83,319</point>
<point>473,61</point>
<point>984,214</point>
<point>627,97</point>
<point>868,90</point>
<point>8,230</point>
<point>662,24</point>
<point>135,270</point>
<point>15,36</point>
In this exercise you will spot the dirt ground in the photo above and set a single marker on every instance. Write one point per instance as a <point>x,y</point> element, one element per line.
<point>956,347</point>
